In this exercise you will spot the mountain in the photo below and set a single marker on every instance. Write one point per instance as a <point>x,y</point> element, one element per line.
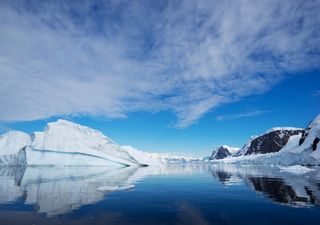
<point>145,158</point>
<point>272,141</point>
<point>223,151</point>
<point>178,158</point>
<point>155,159</point>
<point>62,143</point>
<point>282,146</point>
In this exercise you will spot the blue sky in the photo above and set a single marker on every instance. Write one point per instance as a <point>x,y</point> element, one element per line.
<point>163,76</point>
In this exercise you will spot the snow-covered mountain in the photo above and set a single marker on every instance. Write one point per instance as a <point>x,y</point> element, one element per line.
<point>282,146</point>
<point>272,140</point>
<point>62,143</point>
<point>145,158</point>
<point>223,151</point>
<point>155,159</point>
<point>178,158</point>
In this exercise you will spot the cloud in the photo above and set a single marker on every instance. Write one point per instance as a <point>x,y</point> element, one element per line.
<point>241,115</point>
<point>316,93</point>
<point>109,58</point>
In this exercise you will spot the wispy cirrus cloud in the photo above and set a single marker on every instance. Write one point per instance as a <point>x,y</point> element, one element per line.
<point>241,115</point>
<point>105,58</point>
<point>316,93</point>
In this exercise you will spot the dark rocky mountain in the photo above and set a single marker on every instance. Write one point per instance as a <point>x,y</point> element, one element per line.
<point>222,152</point>
<point>272,141</point>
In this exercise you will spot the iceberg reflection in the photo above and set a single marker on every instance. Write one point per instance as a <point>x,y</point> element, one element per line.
<point>57,190</point>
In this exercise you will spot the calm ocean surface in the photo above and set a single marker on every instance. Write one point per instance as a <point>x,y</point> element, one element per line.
<point>195,194</point>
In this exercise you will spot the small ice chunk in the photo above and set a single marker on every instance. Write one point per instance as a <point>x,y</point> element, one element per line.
<point>115,187</point>
<point>296,169</point>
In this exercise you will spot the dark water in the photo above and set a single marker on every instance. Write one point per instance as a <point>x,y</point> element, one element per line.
<point>170,195</point>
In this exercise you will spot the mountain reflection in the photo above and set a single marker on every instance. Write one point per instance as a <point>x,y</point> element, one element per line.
<point>59,190</point>
<point>280,187</point>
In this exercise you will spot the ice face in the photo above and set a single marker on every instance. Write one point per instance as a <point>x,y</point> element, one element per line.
<point>12,141</point>
<point>65,136</point>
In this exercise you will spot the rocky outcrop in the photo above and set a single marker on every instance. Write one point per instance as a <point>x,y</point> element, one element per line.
<point>312,128</point>
<point>222,152</point>
<point>272,141</point>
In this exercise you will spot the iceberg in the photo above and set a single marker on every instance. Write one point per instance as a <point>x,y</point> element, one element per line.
<point>62,143</point>
<point>10,145</point>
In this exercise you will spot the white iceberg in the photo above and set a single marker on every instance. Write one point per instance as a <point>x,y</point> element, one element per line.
<point>10,145</point>
<point>62,143</point>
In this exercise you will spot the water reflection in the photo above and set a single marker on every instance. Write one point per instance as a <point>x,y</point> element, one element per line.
<point>59,190</point>
<point>56,191</point>
<point>297,190</point>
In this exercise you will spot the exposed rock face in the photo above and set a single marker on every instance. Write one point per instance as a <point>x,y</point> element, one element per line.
<point>245,147</point>
<point>315,143</point>
<point>313,128</point>
<point>304,135</point>
<point>272,141</point>
<point>223,152</point>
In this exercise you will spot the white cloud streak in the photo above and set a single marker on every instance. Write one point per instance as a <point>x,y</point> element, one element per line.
<point>241,115</point>
<point>316,93</point>
<point>111,58</point>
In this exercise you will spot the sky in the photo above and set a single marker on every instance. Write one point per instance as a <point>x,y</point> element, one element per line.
<point>162,76</point>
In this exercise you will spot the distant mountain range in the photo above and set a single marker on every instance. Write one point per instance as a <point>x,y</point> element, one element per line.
<point>63,143</point>
<point>277,146</point>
